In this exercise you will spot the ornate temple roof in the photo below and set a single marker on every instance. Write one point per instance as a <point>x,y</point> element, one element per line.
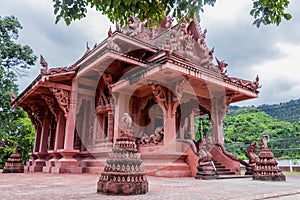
<point>182,46</point>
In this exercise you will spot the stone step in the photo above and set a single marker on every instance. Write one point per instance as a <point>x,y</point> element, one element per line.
<point>168,173</point>
<point>225,173</point>
<point>233,176</point>
<point>223,170</point>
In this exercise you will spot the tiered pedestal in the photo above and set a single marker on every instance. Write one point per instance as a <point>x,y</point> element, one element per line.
<point>123,174</point>
<point>67,164</point>
<point>14,164</point>
<point>38,164</point>
<point>266,169</point>
<point>206,171</point>
<point>51,163</point>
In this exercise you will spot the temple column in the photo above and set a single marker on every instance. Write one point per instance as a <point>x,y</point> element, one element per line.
<point>37,139</point>
<point>169,131</point>
<point>120,102</point>
<point>59,139</point>
<point>110,129</point>
<point>95,132</point>
<point>169,101</point>
<point>85,123</point>
<point>67,101</point>
<point>60,131</point>
<point>218,111</point>
<point>192,124</point>
<point>31,164</point>
<point>42,152</point>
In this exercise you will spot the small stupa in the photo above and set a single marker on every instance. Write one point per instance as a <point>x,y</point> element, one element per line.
<point>266,168</point>
<point>123,174</point>
<point>14,163</point>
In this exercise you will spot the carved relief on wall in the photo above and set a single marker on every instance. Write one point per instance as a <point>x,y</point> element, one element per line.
<point>186,39</point>
<point>137,29</point>
<point>155,138</point>
<point>112,45</point>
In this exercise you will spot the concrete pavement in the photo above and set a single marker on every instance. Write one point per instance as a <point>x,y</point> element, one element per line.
<point>83,186</point>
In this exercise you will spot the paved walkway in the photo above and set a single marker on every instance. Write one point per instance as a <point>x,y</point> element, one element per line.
<point>70,186</point>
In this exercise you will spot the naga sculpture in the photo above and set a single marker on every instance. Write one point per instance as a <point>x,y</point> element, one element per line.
<point>253,158</point>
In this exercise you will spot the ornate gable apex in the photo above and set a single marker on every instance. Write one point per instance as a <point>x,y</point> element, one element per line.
<point>184,39</point>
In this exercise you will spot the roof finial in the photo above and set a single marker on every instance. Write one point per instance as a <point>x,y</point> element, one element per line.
<point>118,27</point>
<point>44,65</point>
<point>87,47</point>
<point>109,32</point>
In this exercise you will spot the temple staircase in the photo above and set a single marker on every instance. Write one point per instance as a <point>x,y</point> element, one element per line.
<point>225,173</point>
<point>222,170</point>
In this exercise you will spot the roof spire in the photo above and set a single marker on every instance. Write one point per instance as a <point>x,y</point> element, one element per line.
<point>109,32</point>
<point>44,64</point>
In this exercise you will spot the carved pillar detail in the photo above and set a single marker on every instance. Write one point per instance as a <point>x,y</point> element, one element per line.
<point>63,99</point>
<point>168,101</point>
<point>38,113</point>
<point>54,108</point>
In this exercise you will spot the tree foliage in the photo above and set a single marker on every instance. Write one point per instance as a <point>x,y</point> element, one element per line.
<point>286,111</point>
<point>246,125</point>
<point>264,11</point>
<point>202,126</point>
<point>15,126</point>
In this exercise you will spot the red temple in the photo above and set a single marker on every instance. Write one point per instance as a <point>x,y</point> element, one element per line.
<point>163,77</point>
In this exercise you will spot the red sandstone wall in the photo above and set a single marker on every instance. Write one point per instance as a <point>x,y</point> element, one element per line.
<point>192,161</point>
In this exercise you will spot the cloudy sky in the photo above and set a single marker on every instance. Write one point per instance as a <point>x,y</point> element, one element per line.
<point>271,52</point>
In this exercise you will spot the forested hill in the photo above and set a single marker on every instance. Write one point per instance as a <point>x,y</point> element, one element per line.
<point>287,111</point>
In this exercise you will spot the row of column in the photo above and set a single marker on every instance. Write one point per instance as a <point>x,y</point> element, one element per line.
<point>62,154</point>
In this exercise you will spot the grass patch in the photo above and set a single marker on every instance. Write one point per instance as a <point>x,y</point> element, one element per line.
<point>288,172</point>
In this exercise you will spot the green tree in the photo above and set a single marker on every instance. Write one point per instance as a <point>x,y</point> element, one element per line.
<point>264,11</point>
<point>202,126</point>
<point>246,125</point>
<point>15,126</point>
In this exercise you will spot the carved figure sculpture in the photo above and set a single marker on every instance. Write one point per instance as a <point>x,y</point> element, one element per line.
<point>153,138</point>
<point>253,158</point>
<point>264,140</point>
<point>204,150</point>
<point>222,66</point>
<point>126,124</point>
<point>112,45</point>
<point>253,85</point>
<point>251,152</point>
